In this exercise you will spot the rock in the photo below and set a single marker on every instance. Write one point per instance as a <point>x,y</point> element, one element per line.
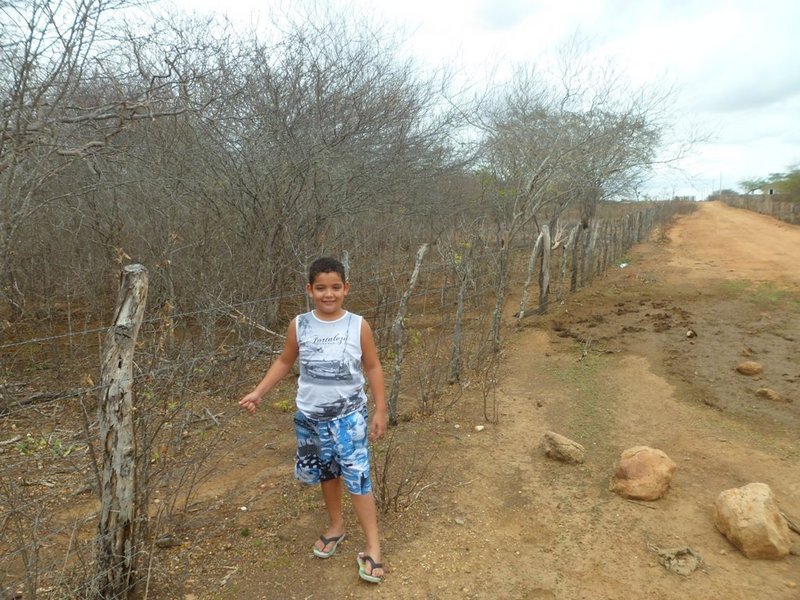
<point>769,394</point>
<point>749,517</point>
<point>683,561</point>
<point>562,448</point>
<point>168,541</point>
<point>479,428</point>
<point>643,473</point>
<point>750,367</point>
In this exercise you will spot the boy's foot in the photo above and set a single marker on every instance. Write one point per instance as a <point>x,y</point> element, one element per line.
<point>369,569</point>
<point>325,547</point>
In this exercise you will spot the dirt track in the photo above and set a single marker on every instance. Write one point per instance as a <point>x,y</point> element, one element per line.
<point>610,368</point>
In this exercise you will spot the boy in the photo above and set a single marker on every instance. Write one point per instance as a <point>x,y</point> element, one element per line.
<point>331,421</point>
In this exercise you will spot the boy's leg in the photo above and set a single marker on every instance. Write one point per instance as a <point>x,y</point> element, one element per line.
<point>332,495</point>
<point>364,505</point>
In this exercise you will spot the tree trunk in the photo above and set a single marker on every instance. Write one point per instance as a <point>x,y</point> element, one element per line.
<point>501,296</point>
<point>573,284</point>
<point>455,357</point>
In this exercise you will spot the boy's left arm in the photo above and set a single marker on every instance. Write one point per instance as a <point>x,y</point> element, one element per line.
<point>374,373</point>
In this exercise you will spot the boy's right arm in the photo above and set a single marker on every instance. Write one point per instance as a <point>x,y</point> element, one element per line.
<point>279,369</point>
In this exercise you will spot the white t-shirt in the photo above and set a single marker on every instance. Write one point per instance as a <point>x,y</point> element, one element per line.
<point>331,383</point>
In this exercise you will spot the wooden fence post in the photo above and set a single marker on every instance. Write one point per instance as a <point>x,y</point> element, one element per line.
<point>573,284</point>
<point>528,277</point>
<point>116,536</point>
<point>398,329</point>
<point>544,272</point>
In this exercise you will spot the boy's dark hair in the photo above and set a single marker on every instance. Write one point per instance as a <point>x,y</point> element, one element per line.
<point>326,264</point>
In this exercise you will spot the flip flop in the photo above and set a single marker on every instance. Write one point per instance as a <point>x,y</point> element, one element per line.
<point>337,539</point>
<point>362,560</point>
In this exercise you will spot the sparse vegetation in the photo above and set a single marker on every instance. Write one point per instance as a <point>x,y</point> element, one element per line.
<point>223,164</point>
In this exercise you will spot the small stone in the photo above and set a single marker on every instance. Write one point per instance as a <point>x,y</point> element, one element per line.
<point>167,541</point>
<point>479,427</point>
<point>457,426</point>
<point>459,521</point>
<point>769,394</point>
<point>562,448</point>
<point>243,508</point>
<point>791,584</point>
<point>750,367</point>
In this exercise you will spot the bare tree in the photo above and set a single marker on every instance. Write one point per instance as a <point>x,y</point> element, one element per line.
<point>68,90</point>
<point>571,137</point>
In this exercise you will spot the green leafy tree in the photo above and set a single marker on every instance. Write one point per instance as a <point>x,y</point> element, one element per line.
<point>786,184</point>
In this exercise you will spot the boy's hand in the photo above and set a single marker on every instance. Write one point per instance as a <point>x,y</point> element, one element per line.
<point>250,402</point>
<point>378,426</point>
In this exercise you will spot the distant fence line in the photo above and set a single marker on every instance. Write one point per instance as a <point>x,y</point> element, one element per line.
<point>184,394</point>
<point>765,204</point>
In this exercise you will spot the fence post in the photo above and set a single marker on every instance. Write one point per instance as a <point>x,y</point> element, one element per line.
<point>116,536</point>
<point>397,329</point>
<point>544,272</point>
<point>528,276</point>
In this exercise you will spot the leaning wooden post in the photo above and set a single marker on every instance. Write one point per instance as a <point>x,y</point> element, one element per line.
<point>397,330</point>
<point>116,536</point>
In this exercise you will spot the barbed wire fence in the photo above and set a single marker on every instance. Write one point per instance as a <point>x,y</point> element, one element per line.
<point>188,371</point>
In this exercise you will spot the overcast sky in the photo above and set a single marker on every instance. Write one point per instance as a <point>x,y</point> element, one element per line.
<point>735,63</point>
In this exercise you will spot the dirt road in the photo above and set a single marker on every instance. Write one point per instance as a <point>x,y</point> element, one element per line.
<point>611,368</point>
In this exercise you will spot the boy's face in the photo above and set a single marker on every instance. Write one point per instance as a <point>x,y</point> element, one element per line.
<point>328,292</point>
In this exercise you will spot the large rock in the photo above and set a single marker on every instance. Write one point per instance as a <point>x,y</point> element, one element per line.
<point>749,517</point>
<point>643,473</point>
<point>562,448</point>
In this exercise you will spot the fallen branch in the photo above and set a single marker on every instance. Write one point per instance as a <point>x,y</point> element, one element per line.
<point>585,350</point>
<point>650,506</point>
<point>231,571</point>
<point>792,524</point>
<point>239,316</point>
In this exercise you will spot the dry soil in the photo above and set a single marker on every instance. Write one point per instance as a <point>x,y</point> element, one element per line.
<point>611,367</point>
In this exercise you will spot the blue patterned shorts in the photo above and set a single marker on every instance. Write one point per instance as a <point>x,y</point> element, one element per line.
<point>336,448</point>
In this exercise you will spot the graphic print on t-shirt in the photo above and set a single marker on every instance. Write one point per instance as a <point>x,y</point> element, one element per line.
<point>331,382</point>
<point>324,358</point>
